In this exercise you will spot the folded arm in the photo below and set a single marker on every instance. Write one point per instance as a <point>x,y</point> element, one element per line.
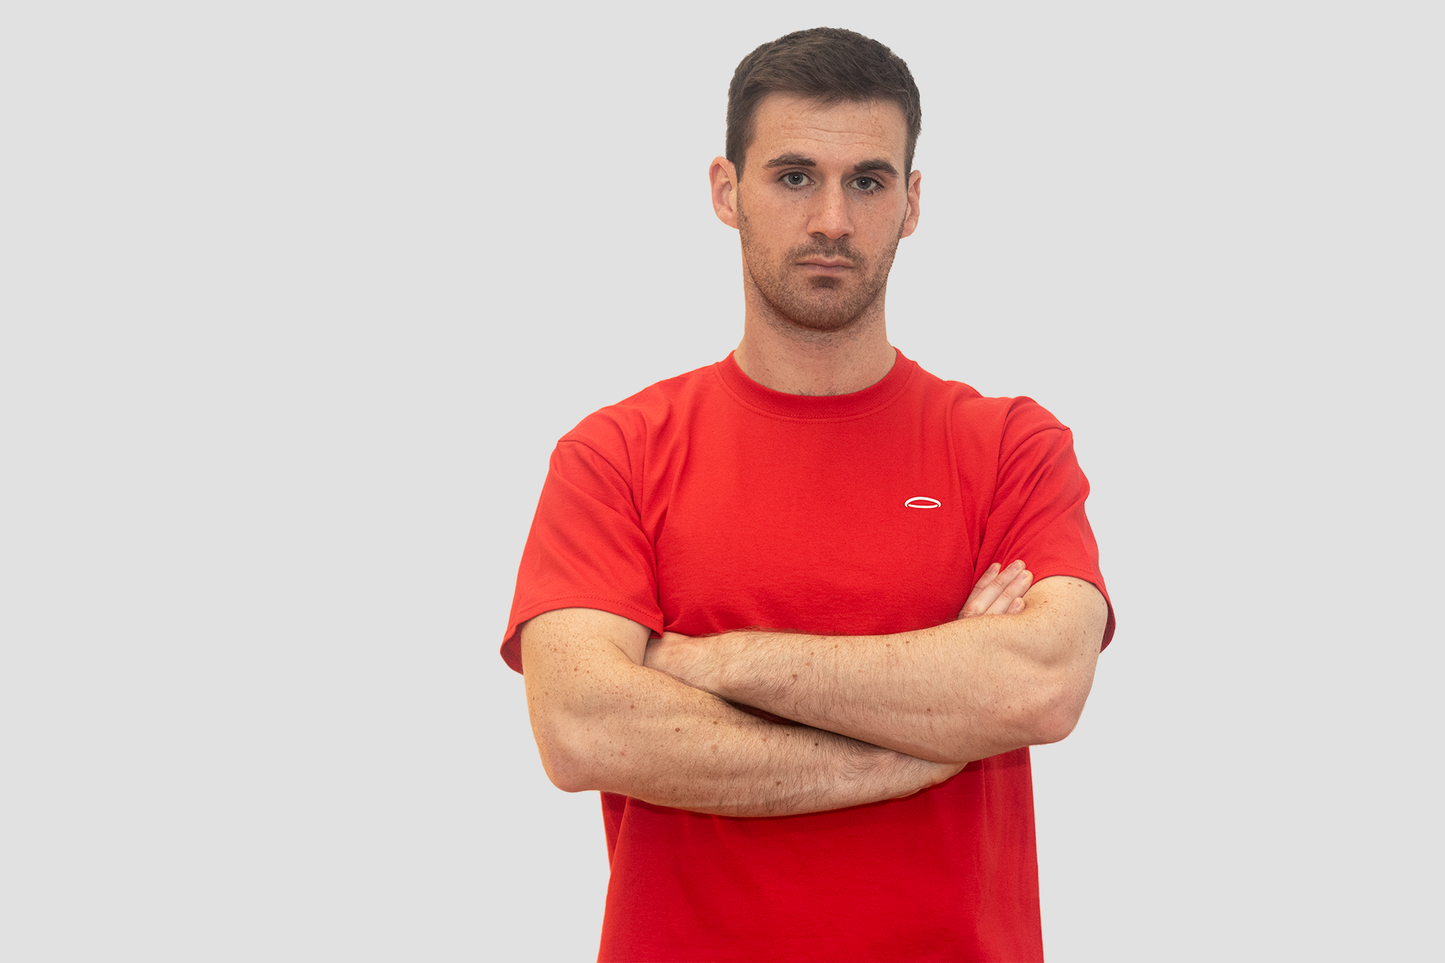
<point>605,721</point>
<point>965,690</point>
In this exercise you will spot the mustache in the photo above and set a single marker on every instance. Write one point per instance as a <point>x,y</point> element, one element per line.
<point>829,249</point>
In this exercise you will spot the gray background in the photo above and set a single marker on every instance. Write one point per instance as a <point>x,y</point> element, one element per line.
<point>297,297</point>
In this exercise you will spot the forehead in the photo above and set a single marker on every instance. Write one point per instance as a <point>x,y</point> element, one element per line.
<point>845,131</point>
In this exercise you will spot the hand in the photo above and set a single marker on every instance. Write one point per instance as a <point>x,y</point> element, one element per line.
<point>999,592</point>
<point>674,654</point>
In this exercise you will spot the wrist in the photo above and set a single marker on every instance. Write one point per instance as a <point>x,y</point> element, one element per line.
<point>757,667</point>
<point>719,664</point>
<point>694,661</point>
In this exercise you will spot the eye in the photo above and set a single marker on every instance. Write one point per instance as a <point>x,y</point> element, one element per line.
<point>866,184</point>
<point>795,179</point>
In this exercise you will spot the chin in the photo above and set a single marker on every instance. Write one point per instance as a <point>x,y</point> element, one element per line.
<point>822,322</point>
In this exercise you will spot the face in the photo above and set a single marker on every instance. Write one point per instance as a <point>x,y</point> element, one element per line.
<point>821,207</point>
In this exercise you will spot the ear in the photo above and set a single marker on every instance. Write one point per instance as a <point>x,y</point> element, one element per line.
<point>915,181</point>
<point>724,190</point>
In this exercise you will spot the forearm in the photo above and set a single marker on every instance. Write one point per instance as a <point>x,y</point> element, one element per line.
<point>955,692</point>
<point>914,692</point>
<point>635,731</point>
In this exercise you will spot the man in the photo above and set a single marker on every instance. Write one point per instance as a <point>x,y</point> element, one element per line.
<point>776,609</point>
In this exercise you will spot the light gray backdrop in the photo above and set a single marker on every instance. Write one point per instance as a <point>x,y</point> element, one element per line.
<point>296,298</point>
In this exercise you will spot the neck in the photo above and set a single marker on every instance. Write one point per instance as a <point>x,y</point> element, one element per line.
<point>778,354</point>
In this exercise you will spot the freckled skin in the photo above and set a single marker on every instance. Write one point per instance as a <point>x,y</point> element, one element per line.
<point>1003,675</point>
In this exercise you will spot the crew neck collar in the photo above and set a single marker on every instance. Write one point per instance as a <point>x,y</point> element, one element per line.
<point>855,403</point>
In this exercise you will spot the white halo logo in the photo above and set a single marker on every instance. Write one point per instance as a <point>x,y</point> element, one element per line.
<point>922,501</point>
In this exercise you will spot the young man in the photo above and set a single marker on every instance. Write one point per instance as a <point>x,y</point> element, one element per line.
<point>776,609</point>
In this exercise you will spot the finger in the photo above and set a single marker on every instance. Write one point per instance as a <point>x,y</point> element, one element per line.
<point>1013,595</point>
<point>986,593</point>
<point>972,605</point>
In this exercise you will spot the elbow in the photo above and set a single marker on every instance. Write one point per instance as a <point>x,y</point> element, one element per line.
<point>1058,669</point>
<point>1055,712</point>
<point>1045,714</point>
<point>1056,721</point>
<point>568,764</point>
<point>1034,708</point>
<point>566,771</point>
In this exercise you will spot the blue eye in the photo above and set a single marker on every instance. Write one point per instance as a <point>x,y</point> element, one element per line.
<point>795,179</point>
<point>867,184</point>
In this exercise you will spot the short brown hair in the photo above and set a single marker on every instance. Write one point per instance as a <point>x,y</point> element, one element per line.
<point>830,65</point>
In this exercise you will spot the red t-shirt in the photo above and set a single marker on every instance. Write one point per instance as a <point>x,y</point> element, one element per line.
<point>708,503</point>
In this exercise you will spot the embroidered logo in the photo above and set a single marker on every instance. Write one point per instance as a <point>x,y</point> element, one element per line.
<point>922,501</point>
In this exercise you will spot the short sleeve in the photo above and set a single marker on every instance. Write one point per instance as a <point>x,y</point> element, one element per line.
<point>1038,506</point>
<point>586,548</point>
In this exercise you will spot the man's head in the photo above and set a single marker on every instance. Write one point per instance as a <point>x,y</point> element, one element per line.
<point>825,121</point>
<point>827,65</point>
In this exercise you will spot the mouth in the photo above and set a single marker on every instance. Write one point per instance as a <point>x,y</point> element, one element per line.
<point>826,267</point>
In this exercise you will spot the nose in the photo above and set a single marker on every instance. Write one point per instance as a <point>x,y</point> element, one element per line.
<point>830,216</point>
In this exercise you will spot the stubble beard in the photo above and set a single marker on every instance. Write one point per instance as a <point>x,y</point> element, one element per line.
<point>805,302</point>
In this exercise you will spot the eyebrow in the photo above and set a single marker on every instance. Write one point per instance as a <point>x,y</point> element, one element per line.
<point>878,165</point>
<point>862,167</point>
<point>791,160</point>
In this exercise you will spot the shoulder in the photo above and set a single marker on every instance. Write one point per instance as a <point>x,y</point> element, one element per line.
<point>628,425</point>
<point>999,423</point>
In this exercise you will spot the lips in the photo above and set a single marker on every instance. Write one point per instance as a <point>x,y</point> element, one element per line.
<point>826,267</point>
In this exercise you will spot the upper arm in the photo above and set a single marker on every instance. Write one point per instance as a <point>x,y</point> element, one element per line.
<point>1070,610</point>
<point>567,635</point>
<point>587,546</point>
<point>1069,617</point>
<point>1037,510</point>
<point>574,655</point>
<point>579,662</point>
